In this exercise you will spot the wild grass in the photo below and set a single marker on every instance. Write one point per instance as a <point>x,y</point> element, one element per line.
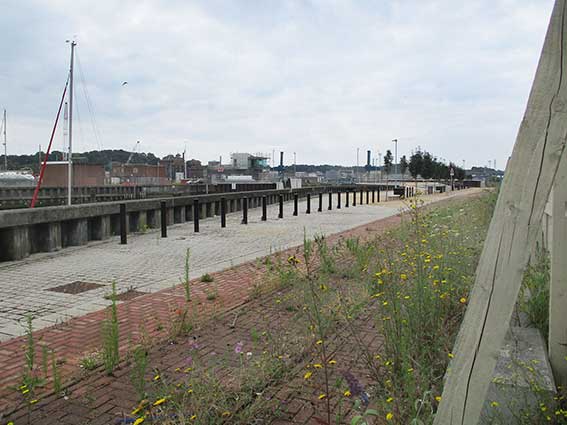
<point>534,294</point>
<point>110,335</point>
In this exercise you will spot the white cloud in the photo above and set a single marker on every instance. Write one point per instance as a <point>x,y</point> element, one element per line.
<point>320,78</point>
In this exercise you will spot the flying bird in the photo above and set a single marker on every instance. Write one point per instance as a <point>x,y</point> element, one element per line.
<point>124,83</point>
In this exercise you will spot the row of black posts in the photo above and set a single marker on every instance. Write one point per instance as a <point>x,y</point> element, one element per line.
<point>163,207</point>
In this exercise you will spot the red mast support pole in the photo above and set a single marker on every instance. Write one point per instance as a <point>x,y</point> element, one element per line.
<point>42,171</point>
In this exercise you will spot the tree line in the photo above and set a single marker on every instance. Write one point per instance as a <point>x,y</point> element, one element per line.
<point>424,164</point>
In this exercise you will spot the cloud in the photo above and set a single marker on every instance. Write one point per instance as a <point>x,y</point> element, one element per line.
<point>320,78</point>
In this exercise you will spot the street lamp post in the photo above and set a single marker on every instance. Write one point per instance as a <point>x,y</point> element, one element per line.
<point>395,155</point>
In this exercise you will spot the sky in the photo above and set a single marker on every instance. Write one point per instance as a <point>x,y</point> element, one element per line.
<point>321,78</point>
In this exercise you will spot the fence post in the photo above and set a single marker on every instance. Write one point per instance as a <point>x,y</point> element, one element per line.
<point>223,212</point>
<point>123,224</point>
<point>196,215</point>
<point>244,210</point>
<point>308,204</point>
<point>558,282</point>
<point>280,215</point>
<point>295,200</point>
<point>264,208</point>
<point>163,219</point>
<point>330,207</point>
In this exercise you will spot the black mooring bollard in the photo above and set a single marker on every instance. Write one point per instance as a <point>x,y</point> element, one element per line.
<point>361,196</point>
<point>244,210</point>
<point>163,219</point>
<point>308,211</point>
<point>347,198</point>
<point>330,207</point>
<point>223,212</point>
<point>339,200</point>
<point>373,195</point>
<point>264,208</point>
<point>320,203</point>
<point>378,195</point>
<point>196,216</point>
<point>295,200</point>
<point>280,215</point>
<point>123,224</point>
<point>354,198</point>
<point>367,197</point>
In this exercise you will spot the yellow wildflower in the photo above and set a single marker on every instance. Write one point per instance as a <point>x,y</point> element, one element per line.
<point>463,300</point>
<point>193,417</point>
<point>189,391</point>
<point>156,378</point>
<point>450,355</point>
<point>226,413</point>
<point>317,365</point>
<point>138,421</point>
<point>389,399</point>
<point>331,362</point>
<point>495,404</point>
<point>307,375</point>
<point>438,398</point>
<point>347,393</point>
<point>403,276</point>
<point>160,401</point>
<point>322,396</point>
<point>389,416</point>
<point>319,342</point>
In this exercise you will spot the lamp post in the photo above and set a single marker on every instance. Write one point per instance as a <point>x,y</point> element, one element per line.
<point>395,155</point>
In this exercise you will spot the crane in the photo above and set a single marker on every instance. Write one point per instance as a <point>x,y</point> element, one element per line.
<point>134,149</point>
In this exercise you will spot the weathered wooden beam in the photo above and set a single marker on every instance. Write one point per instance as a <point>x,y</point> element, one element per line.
<point>558,284</point>
<point>513,231</point>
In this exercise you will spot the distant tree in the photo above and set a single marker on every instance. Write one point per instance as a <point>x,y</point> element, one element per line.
<point>388,160</point>
<point>427,166</point>
<point>415,164</point>
<point>403,164</point>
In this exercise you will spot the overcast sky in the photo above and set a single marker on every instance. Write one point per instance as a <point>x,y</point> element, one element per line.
<point>319,77</point>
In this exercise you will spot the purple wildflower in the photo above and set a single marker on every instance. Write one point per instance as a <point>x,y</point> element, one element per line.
<point>238,347</point>
<point>355,387</point>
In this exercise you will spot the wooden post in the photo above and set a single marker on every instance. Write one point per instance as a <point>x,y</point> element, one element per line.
<point>123,224</point>
<point>280,215</point>
<point>163,219</point>
<point>295,201</point>
<point>320,209</point>
<point>513,231</point>
<point>244,210</point>
<point>558,284</point>
<point>264,208</point>
<point>223,212</point>
<point>308,211</point>
<point>196,215</point>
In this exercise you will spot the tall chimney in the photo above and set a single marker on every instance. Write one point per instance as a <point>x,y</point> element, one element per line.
<point>368,159</point>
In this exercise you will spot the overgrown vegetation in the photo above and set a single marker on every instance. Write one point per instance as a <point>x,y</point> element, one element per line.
<point>534,293</point>
<point>110,335</point>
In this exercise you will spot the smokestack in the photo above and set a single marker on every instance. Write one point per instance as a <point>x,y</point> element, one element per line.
<point>281,159</point>
<point>368,158</point>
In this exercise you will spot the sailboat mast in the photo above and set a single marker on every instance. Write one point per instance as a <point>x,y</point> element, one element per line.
<point>5,144</point>
<point>70,154</point>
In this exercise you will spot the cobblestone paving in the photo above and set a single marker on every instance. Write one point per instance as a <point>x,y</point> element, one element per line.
<point>149,263</point>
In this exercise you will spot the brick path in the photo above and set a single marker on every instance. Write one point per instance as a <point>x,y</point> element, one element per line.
<point>72,339</point>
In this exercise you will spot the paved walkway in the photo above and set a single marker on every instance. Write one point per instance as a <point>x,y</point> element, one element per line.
<point>150,315</point>
<point>149,263</point>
